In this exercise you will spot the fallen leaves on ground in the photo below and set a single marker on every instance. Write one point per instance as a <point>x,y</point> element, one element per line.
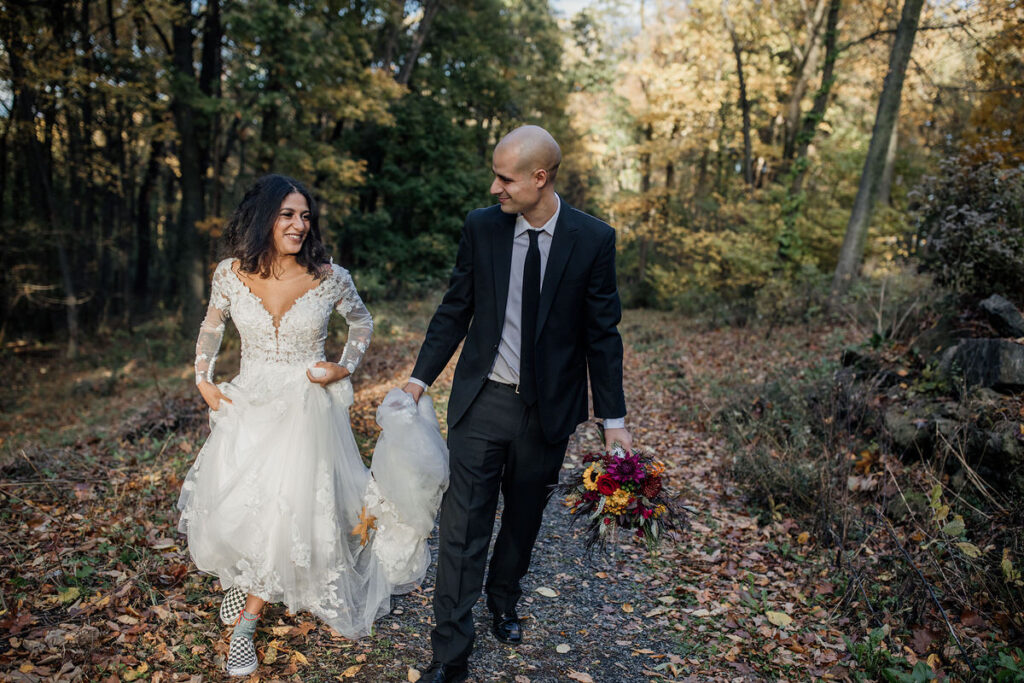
<point>97,584</point>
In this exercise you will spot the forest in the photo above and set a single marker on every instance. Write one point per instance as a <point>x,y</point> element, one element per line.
<point>726,142</point>
<point>819,214</point>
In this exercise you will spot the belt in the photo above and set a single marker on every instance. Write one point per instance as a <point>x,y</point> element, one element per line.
<point>503,385</point>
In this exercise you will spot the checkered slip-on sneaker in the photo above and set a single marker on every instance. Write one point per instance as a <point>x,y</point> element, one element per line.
<point>231,605</point>
<point>241,656</point>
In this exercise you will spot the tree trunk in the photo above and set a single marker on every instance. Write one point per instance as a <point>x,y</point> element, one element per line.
<point>888,108</point>
<point>808,66</point>
<point>748,166</point>
<point>430,9</point>
<point>645,188</point>
<point>36,156</point>
<point>389,44</point>
<point>143,220</point>
<point>817,112</point>
<point>190,263</point>
<point>885,184</point>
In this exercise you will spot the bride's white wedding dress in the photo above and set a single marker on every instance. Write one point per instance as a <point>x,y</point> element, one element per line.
<point>272,499</point>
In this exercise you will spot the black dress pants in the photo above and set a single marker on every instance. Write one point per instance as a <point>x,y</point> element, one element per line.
<point>497,445</point>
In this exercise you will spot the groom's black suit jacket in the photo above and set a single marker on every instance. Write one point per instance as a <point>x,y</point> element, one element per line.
<point>576,321</point>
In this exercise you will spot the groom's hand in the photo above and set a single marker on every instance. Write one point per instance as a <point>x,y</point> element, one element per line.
<point>414,390</point>
<point>618,435</point>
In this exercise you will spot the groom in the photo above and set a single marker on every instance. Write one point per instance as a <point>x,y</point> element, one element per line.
<point>533,295</point>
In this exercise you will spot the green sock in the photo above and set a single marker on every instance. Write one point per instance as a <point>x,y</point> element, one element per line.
<point>246,626</point>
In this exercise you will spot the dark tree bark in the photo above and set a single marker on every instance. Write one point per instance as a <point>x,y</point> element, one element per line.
<point>744,102</point>
<point>885,184</point>
<point>143,223</point>
<point>37,158</point>
<point>809,57</point>
<point>430,9</point>
<point>190,159</point>
<point>811,120</point>
<point>389,43</point>
<point>645,188</point>
<point>194,132</point>
<point>885,120</point>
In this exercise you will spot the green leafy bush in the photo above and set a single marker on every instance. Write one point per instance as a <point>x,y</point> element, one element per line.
<point>970,224</point>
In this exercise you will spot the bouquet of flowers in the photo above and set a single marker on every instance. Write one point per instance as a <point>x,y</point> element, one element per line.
<point>620,490</point>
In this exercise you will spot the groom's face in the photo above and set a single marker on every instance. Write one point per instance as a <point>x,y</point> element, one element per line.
<point>515,185</point>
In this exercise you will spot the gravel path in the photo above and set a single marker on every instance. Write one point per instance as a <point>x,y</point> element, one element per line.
<point>594,625</point>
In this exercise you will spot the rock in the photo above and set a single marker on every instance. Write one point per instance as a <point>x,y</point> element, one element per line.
<point>995,363</point>
<point>912,503</point>
<point>912,432</point>
<point>941,336</point>
<point>1003,316</point>
<point>1005,452</point>
<point>854,357</point>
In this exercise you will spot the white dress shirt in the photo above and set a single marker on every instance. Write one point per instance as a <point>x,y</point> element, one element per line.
<point>506,362</point>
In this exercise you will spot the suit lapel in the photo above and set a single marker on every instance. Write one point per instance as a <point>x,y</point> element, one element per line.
<point>561,248</point>
<point>502,264</point>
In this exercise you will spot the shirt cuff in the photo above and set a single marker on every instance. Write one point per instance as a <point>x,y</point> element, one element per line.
<point>615,423</point>
<point>413,380</point>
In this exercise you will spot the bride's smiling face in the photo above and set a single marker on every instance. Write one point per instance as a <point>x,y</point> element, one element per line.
<point>291,225</point>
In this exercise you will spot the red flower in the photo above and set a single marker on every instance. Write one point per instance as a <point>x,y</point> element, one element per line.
<point>646,513</point>
<point>591,496</point>
<point>651,487</point>
<point>606,485</point>
<point>607,520</point>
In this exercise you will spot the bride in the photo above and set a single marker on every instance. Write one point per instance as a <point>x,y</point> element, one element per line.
<point>278,504</point>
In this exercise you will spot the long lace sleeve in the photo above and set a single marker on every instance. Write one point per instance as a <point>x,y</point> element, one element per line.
<point>360,323</point>
<point>211,331</point>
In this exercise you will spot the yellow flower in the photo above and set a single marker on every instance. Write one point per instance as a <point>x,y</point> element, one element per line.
<point>660,510</point>
<point>617,502</point>
<point>590,478</point>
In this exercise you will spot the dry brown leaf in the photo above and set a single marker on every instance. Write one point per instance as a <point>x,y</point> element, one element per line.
<point>780,619</point>
<point>353,670</point>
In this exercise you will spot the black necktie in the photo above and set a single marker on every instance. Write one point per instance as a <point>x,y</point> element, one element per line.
<point>528,322</point>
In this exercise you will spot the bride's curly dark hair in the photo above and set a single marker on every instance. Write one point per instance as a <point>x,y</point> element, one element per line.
<point>249,234</point>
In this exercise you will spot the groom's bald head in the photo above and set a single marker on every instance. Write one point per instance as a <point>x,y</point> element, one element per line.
<point>532,148</point>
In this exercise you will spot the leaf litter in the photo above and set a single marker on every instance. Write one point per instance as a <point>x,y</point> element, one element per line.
<point>97,585</point>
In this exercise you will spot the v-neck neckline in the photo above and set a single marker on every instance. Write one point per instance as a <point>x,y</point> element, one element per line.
<point>275,321</point>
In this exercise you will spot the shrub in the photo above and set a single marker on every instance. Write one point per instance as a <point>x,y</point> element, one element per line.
<point>970,224</point>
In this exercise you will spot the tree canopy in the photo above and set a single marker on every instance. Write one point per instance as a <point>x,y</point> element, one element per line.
<point>724,140</point>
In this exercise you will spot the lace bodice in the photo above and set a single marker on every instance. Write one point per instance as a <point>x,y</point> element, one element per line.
<point>298,338</point>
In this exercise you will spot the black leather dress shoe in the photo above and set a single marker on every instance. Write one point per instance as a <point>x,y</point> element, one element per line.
<point>445,673</point>
<point>507,627</point>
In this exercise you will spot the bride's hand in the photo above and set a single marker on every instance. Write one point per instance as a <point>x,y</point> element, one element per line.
<point>333,370</point>
<point>212,395</point>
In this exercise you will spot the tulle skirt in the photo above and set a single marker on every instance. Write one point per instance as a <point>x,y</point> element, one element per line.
<point>272,500</point>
